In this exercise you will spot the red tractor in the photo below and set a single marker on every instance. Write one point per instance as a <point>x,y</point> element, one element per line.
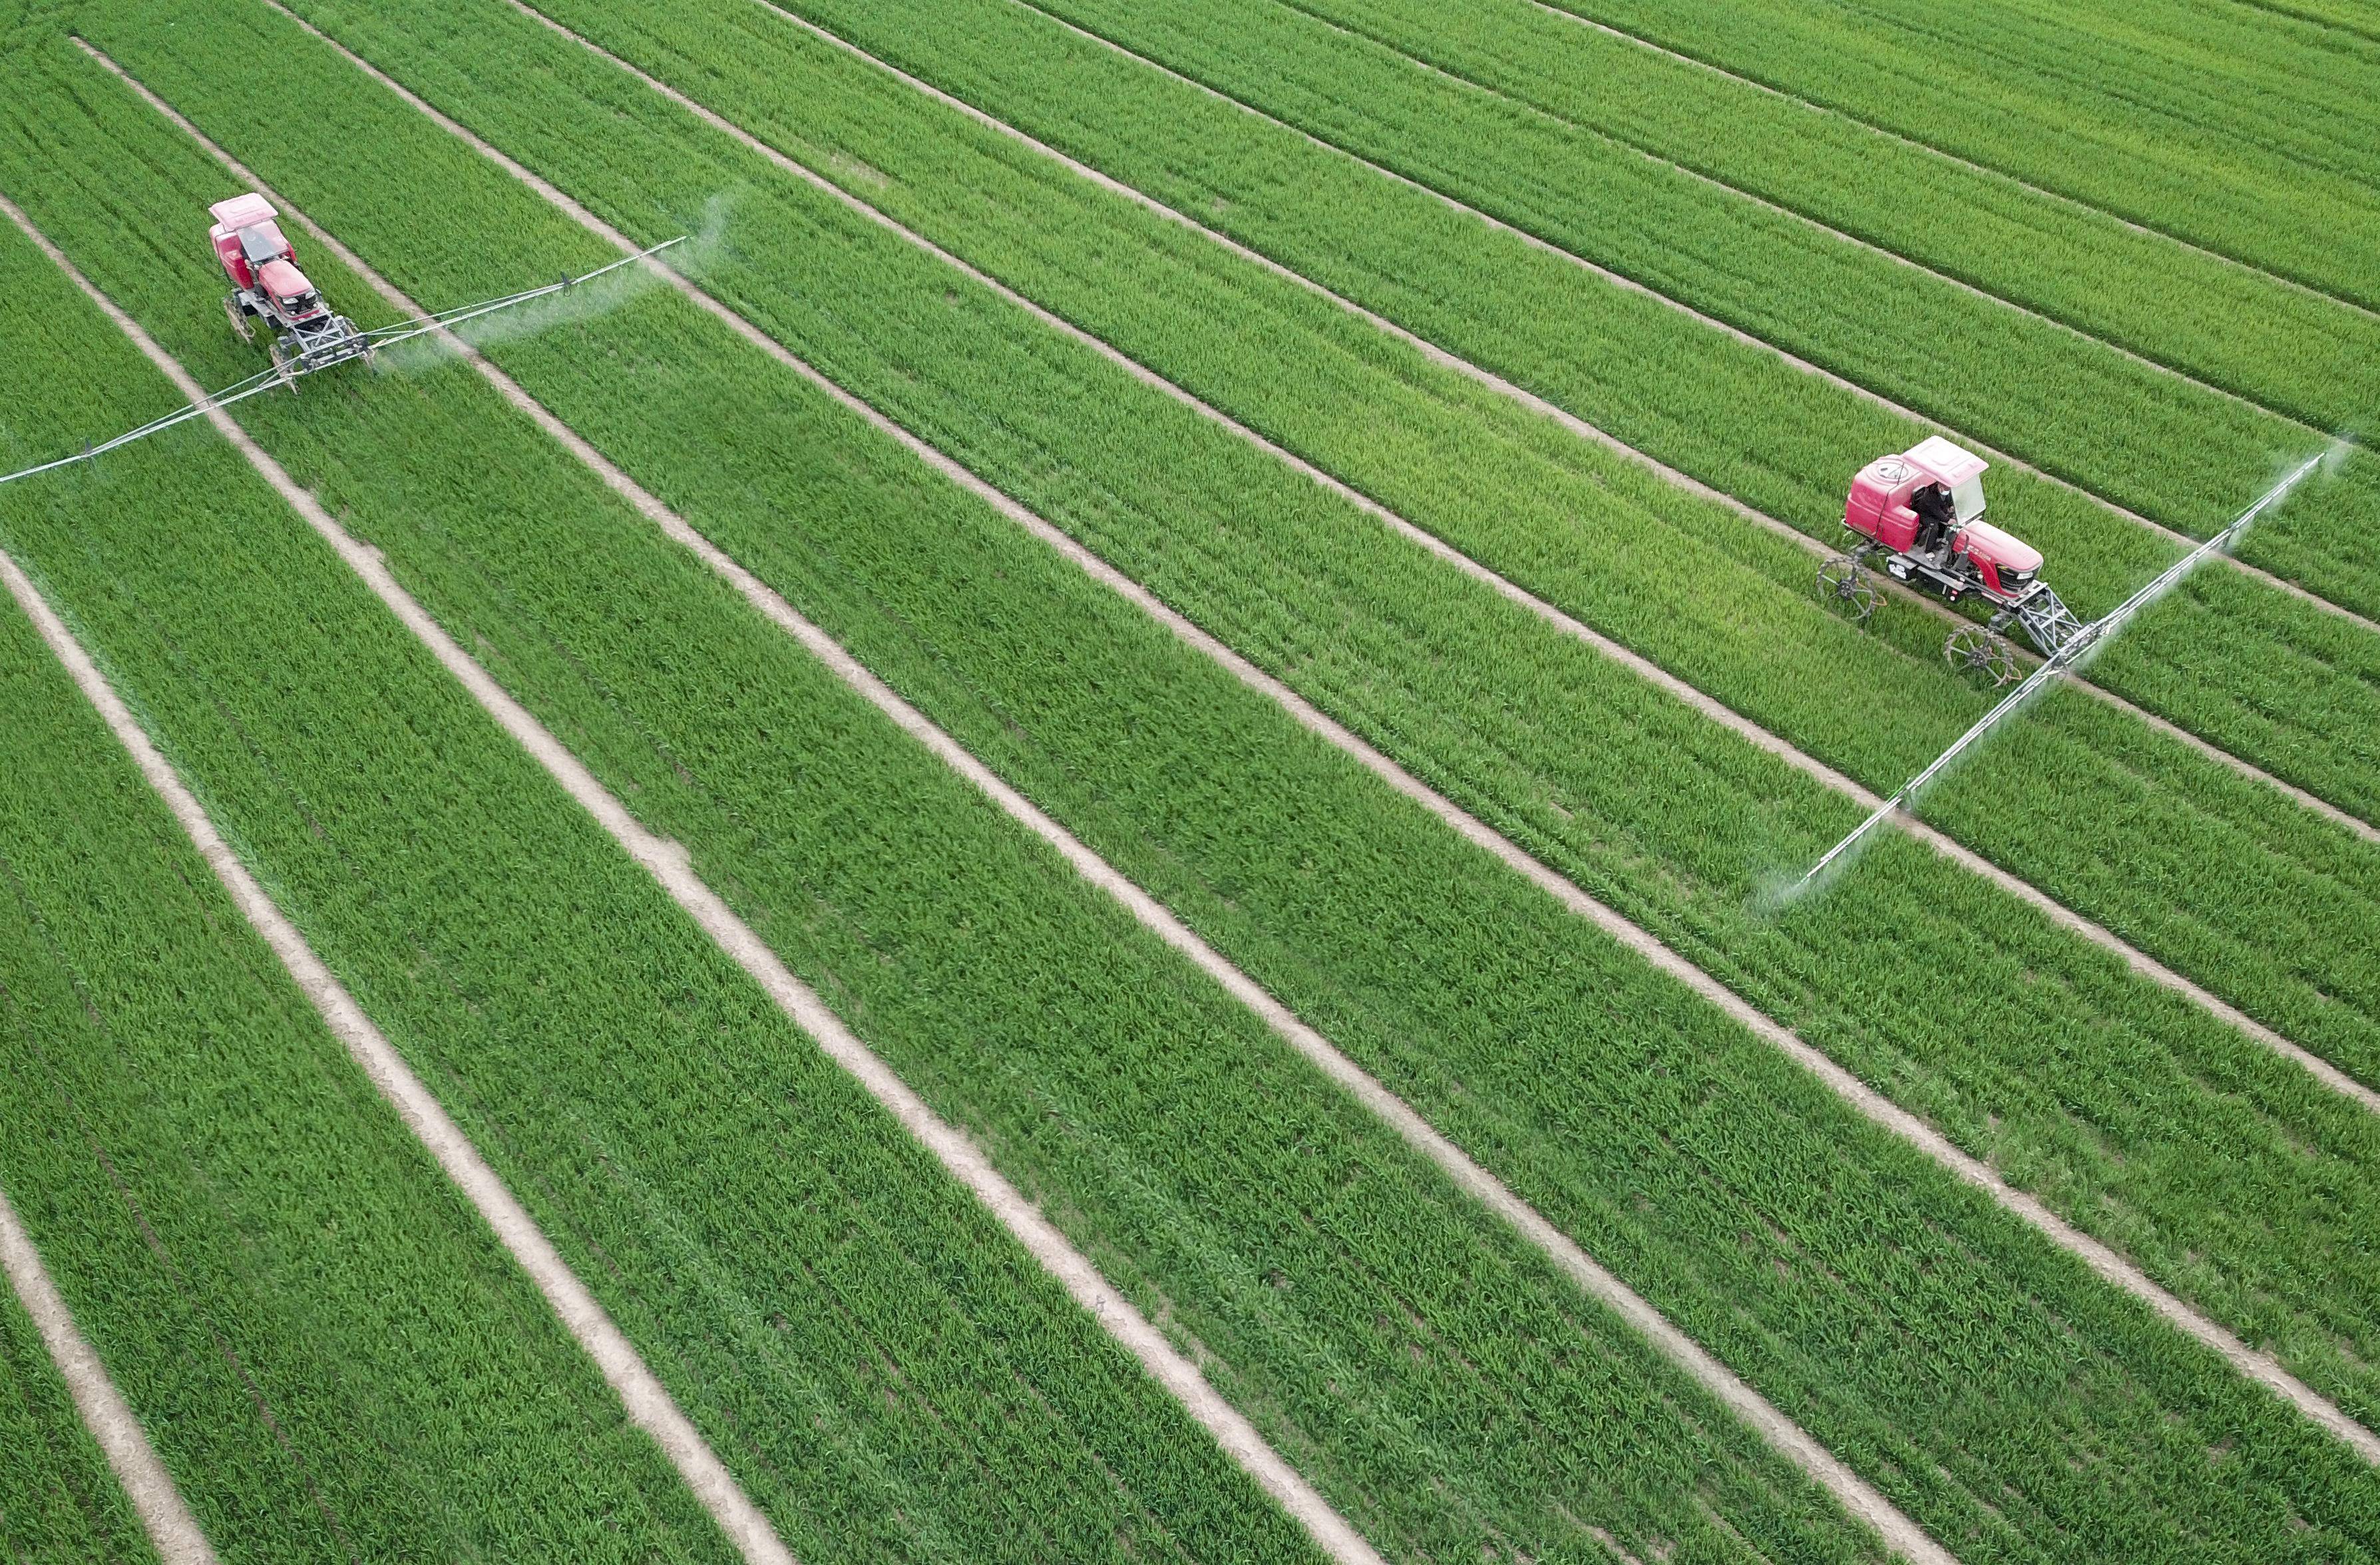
<point>1921,515</point>
<point>267,285</point>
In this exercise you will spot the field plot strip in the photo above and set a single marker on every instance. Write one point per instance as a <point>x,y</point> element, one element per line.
<point>1507,234</point>
<point>1617,279</point>
<point>1856,1495</point>
<point>2148,966</point>
<point>1819,224</point>
<point>1446,360</point>
<point>646,1400</point>
<point>2216,753</point>
<point>1880,1110</point>
<point>2117,191</point>
<point>1437,355</point>
<point>1431,350</point>
<point>2042,192</point>
<point>669,864</point>
<point>60,1496</point>
<point>172,1530</point>
<point>2253,1364</point>
<point>1630,285</point>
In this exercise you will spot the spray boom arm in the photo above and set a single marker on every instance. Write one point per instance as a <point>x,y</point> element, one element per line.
<point>2075,647</point>
<point>380,337</point>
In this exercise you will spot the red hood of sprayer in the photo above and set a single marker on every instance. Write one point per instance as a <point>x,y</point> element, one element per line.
<point>1981,540</point>
<point>282,280</point>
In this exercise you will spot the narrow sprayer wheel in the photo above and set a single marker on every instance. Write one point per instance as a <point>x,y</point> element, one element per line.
<point>1973,648</point>
<point>1841,581</point>
<point>238,318</point>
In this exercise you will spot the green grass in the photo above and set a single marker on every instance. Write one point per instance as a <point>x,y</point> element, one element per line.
<point>1627,553</point>
<point>1553,1059</point>
<point>2311,358</point>
<point>1163,486</point>
<point>58,1502</point>
<point>2167,137</point>
<point>2215,80</point>
<point>2344,15</point>
<point>2262,676</point>
<point>1668,841</point>
<point>2278,681</point>
<point>2187,456</point>
<point>1242,1199</point>
<point>885,1371</point>
<point>330,1352</point>
<point>1730,412</point>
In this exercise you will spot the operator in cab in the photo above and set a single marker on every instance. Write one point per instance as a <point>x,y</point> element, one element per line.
<point>1931,503</point>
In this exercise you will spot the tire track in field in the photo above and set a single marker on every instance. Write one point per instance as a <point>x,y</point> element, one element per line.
<point>2331,24</point>
<point>1807,220</point>
<point>1773,1425</point>
<point>1442,358</point>
<point>647,1400</point>
<point>2042,192</point>
<point>1630,285</point>
<point>2259,1367</point>
<point>172,1530</point>
<point>1668,684</point>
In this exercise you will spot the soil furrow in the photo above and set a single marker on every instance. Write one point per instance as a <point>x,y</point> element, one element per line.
<point>648,1401</point>
<point>172,1530</point>
<point>1723,1383</point>
<point>2259,1367</point>
<point>670,866</point>
<point>1708,706</point>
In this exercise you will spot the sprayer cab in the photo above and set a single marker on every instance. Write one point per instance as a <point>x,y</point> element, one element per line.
<point>266,286</point>
<point>1919,516</point>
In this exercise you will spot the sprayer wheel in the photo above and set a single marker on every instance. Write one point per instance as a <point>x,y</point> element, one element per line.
<point>1840,580</point>
<point>1973,648</point>
<point>238,318</point>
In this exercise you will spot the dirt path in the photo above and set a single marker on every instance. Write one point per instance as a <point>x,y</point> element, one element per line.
<point>2056,197</point>
<point>668,863</point>
<point>1153,915</point>
<point>1570,421</point>
<point>649,1403</point>
<point>2257,1366</point>
<point>172,1530</point>
<point>2138,961</point>
<point>1630,285</point>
